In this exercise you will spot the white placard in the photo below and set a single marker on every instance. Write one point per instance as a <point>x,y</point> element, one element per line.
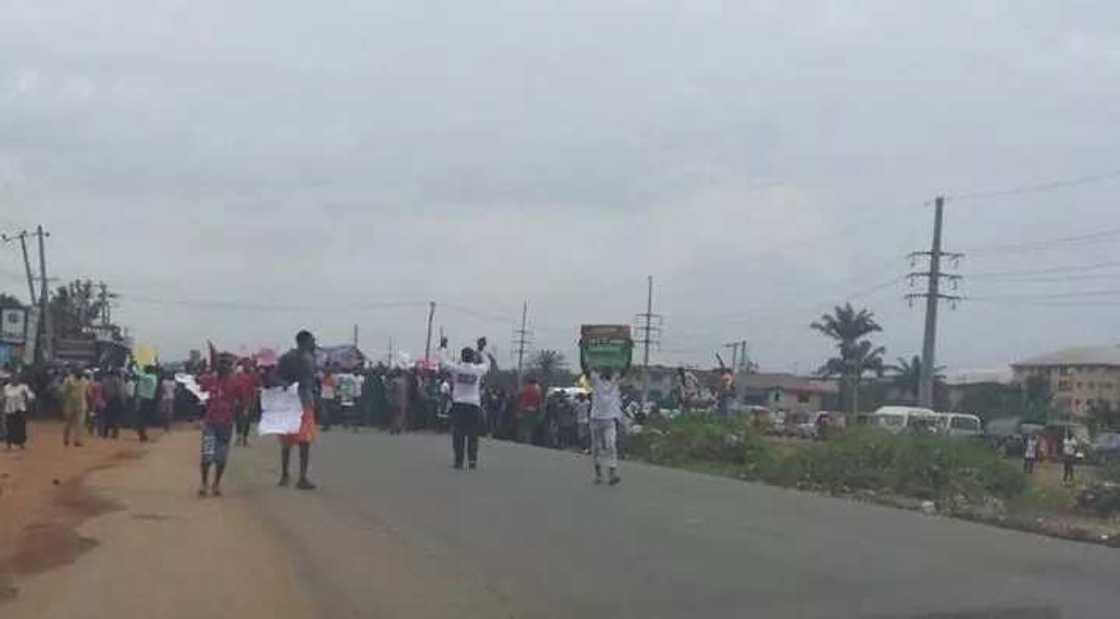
<point>281,411</point>
<point>190,384</point>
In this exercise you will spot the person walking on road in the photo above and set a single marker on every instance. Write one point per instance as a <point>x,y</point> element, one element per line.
<point>606,414</point>
<point>18,397</point>
<point>1030,454</point>
<point>398,397</point>
<point>529,404</point>
<point>583,422</point>
<point>217,427</point>
<point>147,383</point>
<point>75,406</point>
<point>466,407</point>
<point>1069,455</point>
<point>247,382</point>
<point>298,366</point>
<point>167,401</point>
<point>113,390</point>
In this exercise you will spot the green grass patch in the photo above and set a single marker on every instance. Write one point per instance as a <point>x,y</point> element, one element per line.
<point>921,466</point>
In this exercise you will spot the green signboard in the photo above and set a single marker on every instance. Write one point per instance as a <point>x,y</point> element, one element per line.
<point>606,345</point>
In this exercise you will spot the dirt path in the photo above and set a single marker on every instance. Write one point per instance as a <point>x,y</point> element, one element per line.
<point>155,550</point>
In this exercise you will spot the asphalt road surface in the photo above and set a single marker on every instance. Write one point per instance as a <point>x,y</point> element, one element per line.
<point>394,531</point>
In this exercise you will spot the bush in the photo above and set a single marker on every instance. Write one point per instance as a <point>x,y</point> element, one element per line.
<point>922,466</point>
<point>701,439</point>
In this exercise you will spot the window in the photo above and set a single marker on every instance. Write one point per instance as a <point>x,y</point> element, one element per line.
<point>1064,385</point>
<point>1092,385</point>
<point>1080,385</point>
<point>964,423</point>
<point>803,398</point>
<point>1105,386</point>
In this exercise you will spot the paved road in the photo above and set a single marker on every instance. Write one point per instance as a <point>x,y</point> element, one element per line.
<point>395,532</point>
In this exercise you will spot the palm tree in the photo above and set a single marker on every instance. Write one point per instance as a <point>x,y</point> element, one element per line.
<point>907,375</point>
<point>858,356</point>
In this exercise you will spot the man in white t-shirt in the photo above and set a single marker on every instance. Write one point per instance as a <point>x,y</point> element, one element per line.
<point>466,408</point>
<point>606,414</point>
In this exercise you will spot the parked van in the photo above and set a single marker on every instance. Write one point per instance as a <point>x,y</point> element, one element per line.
<point>898,419</point>
<point>961,425</point>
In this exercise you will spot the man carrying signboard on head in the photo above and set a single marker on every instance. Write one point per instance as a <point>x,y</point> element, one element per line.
<point>605,353</point>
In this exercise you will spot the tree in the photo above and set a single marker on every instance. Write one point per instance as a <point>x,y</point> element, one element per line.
<point>907,375</point>
<point>858,356</point>
<point>1038,398</point>
<point>74,307</point>
<point>551,368</point>
<point>989,400</point>
<point>7,300</point>
<point>1103,416</point>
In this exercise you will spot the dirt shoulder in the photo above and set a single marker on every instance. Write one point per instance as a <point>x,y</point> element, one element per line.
<point>148,546</point>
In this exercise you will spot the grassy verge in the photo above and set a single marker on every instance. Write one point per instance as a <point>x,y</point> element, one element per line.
<point>961,478</point>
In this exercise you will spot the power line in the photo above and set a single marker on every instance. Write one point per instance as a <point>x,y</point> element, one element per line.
<point>1045,271</point>
<point>1080,240</point>
<point>1035,187</point>
<point>264,307</point>
<point>1059,295</point>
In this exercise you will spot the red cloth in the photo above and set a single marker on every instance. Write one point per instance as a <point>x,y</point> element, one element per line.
<point>307,429</point>
<point>226,396</point>
<point>530,398</point>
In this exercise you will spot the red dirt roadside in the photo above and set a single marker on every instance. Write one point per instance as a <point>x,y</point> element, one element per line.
<point>122,534</point>
<point>42,499</point>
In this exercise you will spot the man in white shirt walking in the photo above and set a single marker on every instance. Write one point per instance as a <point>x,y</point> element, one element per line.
<point>466,407</point>
<point>606,414</point>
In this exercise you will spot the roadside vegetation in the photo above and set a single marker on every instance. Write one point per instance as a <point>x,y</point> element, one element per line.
<point>935,474</point>
<point>862,459</point>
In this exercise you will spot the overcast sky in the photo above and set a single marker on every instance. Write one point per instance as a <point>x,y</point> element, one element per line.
<point>346,161</point>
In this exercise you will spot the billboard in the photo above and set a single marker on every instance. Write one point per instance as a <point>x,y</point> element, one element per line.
<point>13,325</point>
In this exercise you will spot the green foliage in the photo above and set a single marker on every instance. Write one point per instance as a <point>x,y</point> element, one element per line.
<point>7,300</point>
<point>922,466</point>
<point>551,369</point>
<point>857,355</point>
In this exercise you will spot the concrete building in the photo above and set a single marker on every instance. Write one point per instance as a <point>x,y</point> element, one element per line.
<point>787,392</point>
<point>1079,378</point>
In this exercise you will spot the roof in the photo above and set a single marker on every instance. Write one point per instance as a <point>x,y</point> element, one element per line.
<point>787,382</point>
<point>1085,355</point>
<point>972,377</point>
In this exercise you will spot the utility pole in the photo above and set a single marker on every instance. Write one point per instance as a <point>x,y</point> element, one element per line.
<point>44,349</point>
<point>521,341</point>
<point>22,236</point>
<point>734,346</point>
<point>932,296</point>
<point>355,335</point>
<point>744,362</point>
<point>428,341</point>
<point>649,324</point>
<point>389,355</point>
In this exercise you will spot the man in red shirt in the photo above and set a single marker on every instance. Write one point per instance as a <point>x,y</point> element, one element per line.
<point>528,411</point>
<point>226,396</point>
<point>247,379</point>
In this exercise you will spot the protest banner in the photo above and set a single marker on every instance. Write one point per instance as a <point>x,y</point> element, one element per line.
<point>281,410</point>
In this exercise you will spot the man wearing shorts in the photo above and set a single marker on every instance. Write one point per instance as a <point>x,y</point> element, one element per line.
<point>217,427</point>
<point>298,366</point>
